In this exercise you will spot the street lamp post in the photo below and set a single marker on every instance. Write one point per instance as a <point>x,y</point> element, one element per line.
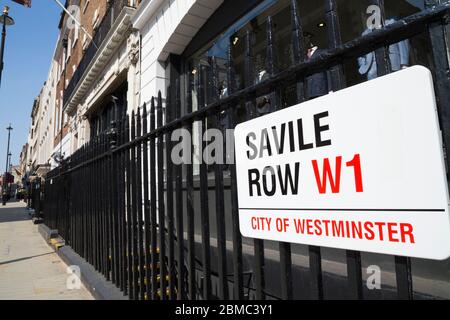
<point>30,166</point>
<point>6,20</point>
<point>9,171</point>
<point>6,169</point>
<point>9,161</point>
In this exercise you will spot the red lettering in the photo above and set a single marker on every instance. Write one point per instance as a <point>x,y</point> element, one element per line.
<point>370,235</point>
<point>365,230</point>
<point>356,164</point>
<point>309,227</point>
<point>326,222</point>
<point>335,182</point>
<point>317,225</point>
<point>254,223</point>
<point>282,224</point>
<point>338,228</point>
<point>299,225</point>
<point>406,229</point>
<point>261,223</point>
<point>380,229</point>
<point>391,232</point>
<point>347,226</point>
<point>356,230</point>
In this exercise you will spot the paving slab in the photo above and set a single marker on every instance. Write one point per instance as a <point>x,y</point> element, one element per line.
<point>29,267</point>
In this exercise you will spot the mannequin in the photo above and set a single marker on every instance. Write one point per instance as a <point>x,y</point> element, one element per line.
<point>398,56</point>
<point>317,84</point>
<point>263,105</point>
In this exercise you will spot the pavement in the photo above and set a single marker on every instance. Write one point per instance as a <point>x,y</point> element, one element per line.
<point>29,267</point>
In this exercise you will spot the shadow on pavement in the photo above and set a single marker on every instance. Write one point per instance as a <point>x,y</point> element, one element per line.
<point>26,258</point>
<point>14,211</point>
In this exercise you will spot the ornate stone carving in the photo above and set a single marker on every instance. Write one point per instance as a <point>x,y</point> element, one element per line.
<point>133,53</point>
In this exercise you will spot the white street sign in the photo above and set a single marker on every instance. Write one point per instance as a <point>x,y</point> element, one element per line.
<point>359,169</point>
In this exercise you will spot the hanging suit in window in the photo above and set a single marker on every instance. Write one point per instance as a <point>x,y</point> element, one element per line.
<point>317,84</point>
<point>398,56</point>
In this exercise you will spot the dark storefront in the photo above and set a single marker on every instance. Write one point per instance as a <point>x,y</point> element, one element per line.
<point>113,106</point>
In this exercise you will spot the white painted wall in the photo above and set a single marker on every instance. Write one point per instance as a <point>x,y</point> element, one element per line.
<point>46,117</point>
<point>166,26</point>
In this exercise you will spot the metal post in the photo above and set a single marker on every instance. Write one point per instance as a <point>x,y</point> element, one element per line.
<point>6,168</point>
<point>2,51</point>
<point>7,20</point>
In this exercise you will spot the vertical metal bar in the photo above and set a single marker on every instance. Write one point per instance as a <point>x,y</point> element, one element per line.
<point>190,192</point>
<point>96,150</point>
<point>146,205</point>
<point>83,206</point>
<point>181,294</point>
<point>402,264</point>
<point>95,146</point>
<point>139,221</point>
<point>382,54</point>
<point>354,271</point>
<point>108,209</point>
<point>334,40</point>
<point>94,202</point>
<point>105,253</point>
<point>190,274</point>
<point>130,268</point>
<point>88,206</point>
<point>161,215</point>
<point>403,278</point>
<point>114,199</point>
<point>204,208</point>
<point>272,63</point>
<point>249,74</point>
<point>124,207</point>
<point>238,276</point>
<point>107,206</point>
<point>86,209</point>
<point>134,205</point>
<point>91,203</point>
<point>251,113</point>
<point>99,209</point>
<point>153,213</point>
<point>122,204</point>
<point>169,199</point>
<point>298,46</point>
<point>285,248</point>
<point>354,275</point>
<point>439,33</point>
<point>299,55</point>
<point>219,187</point>
<point>315,269</point>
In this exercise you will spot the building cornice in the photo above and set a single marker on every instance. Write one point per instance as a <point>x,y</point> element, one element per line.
<point>145,11</point>
<point>109,46</point>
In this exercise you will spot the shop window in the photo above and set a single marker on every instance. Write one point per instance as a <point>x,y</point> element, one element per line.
<point>353,16</point>
<point>398,9</point>
<point>100,121</point>
<point>313,21</point>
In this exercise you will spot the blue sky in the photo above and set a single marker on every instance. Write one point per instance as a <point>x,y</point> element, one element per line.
<point>29,49</point>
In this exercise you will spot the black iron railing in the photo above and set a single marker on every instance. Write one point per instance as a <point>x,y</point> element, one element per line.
<point>159,231</point>
<point>35,197</point>
<point>113,11</point>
